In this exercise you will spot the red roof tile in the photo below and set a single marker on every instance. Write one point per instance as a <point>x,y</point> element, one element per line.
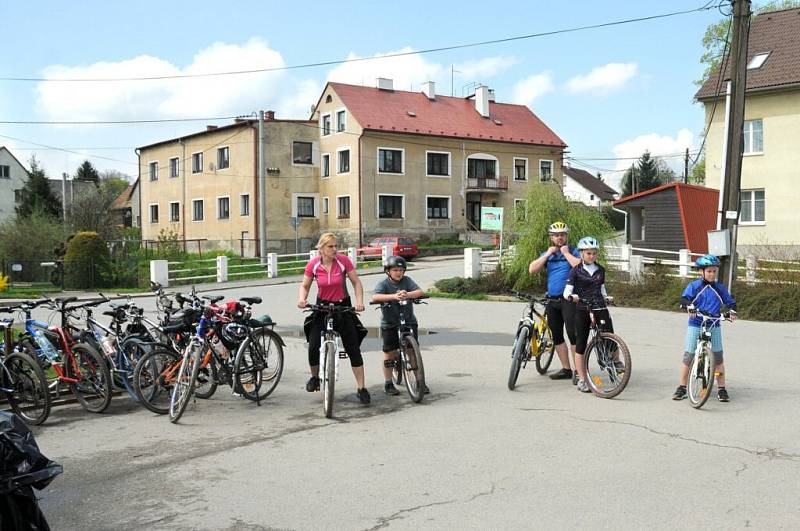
<point>388,110</point>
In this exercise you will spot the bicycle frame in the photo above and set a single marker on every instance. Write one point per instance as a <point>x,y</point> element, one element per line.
<point>330,336</point>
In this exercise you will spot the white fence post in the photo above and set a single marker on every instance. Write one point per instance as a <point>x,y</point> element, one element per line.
<point>159,272</point>
<point>272,265</point>
<point>684,259</point>
<point>750,269</point>
<point>352,255</point>
<point>472,262</point>
<point>222,268</point>
<point>636,268</point>
<point>313,253</point>
<point>625,254</point>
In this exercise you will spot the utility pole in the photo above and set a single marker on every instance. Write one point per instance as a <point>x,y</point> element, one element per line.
<point>733,153</point>
<point>64,196</point>
<point>686,167</point>
<point>262,193</point>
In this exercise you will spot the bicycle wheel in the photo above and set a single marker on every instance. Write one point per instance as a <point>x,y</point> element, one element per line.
<point>413,368</point>
<point>701,377</point>
<point>208,378</point>
<point>132,351</point>
<point>546,349</point>
<point>259,365</point>
<point>93,386</point>
<point>154,378</point>
<point>29,395</point>
<point>185,381</point>
<point>607,363</point>
<point>329,378</point>
<point>518,355</point>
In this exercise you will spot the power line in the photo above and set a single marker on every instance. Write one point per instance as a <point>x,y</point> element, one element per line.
<point>705,7</point>
<point>115,122</point>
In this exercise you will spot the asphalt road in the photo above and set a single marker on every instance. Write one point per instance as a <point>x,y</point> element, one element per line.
<point>473,456</point>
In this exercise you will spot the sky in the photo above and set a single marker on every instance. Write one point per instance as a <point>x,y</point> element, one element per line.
<point>609,93</point>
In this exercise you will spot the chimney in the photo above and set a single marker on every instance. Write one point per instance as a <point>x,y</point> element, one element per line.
<point>269,115</point>
<point>482,100</point>
<point>210,127</point>
<point>491,95</point>
<point>429,89</point>
<point>384,83</point>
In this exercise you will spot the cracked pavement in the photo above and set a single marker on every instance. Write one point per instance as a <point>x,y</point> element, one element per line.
<point>473,456</point>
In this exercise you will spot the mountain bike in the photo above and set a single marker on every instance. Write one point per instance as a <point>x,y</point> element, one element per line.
<point>702,371</point>
<point>534,340</point>
<point>408,367</point>
<point>607,360</point>
<point>330,352</point>
<point>22,380</point>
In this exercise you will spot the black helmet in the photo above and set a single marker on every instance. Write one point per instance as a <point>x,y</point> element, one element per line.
<point>395,261</point>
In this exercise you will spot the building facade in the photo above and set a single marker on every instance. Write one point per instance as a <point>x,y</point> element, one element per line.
<point>583,187</point>
<point>13,177</point>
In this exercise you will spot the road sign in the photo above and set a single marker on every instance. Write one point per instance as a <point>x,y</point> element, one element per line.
<point>294,222</point>
<point>492,218</point>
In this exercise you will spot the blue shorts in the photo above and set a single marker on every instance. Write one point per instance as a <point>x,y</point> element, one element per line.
<point>693,333</point>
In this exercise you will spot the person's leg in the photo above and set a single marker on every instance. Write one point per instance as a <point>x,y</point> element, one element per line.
<point>352,345</point>
<point>555,322</point>
<point>390,346</point>
<point>568,314</point>
<point>692,333</point>
<point>582,324</point>
<point>314,342</point>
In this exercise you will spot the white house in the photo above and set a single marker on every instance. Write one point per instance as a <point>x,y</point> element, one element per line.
<point>582,186</point>
<point>13,177</point>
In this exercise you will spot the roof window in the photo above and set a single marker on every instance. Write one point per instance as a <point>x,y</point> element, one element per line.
<point>757,60</point>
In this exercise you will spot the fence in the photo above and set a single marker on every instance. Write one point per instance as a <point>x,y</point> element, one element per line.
<point>478,261</point>
<point>88,274</point>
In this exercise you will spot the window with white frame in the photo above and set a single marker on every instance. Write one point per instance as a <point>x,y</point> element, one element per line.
<point>223,158</point>
<point>344,161</point>
<point>545,170</point>
<point>244,205</point>
<point>520,169</point>
<point>325,205</point>
<point>343,207</point>
<point>341,122</point>
<point>153,171</point>
<point>753,136</point>
<point>326,124</point>
<point>390,160</point>
<point>174,211</point>
<point>154,213</point>
<point>305,206</point>
<point>5,171</point>
<point>390,206</point>
<point>481,168</point>
<point>752,206</point>
<point>223,208</point>
<point>197,162</point>
<point>438,207</point>
<point>301,152</point>
<point>325,171</point>
<point>174,167</point>
<point>197,210</point>
<point>438,164</point>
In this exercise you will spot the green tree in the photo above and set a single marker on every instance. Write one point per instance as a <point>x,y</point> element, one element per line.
<point>716,33</point>
<point>649,172</point>
<point>114,181</point>
<point>86,172</point>
<point>37,195</point>
<point>86,263</point>
<point>698,172</point>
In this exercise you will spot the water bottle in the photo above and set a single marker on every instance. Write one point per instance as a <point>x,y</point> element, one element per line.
<point>47,348</point>
<point>107,344</point>
<point>219,348</point>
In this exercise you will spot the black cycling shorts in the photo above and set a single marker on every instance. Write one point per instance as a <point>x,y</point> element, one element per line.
<point>560,313</point>
<point>390,339</point>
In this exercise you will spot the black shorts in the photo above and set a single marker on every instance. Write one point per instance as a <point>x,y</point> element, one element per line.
<point>561,313</point>
<point>390,339</point>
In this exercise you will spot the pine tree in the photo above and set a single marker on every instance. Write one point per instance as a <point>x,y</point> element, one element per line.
<point>649,172</point>
<point>37,195</point>
<point>86,172</point>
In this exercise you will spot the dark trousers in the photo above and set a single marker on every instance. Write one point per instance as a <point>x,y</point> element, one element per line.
<point>583,323</point>
<point>560,313</point>
<point>344,323</point>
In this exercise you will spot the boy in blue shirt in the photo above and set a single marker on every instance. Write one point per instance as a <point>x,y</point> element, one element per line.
<point>709,296</point>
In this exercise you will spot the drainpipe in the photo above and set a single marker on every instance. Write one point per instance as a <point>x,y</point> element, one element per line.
<point>182,167</point>
<point>360,199</point>
<point>624,213</point>
<point>262,192</point>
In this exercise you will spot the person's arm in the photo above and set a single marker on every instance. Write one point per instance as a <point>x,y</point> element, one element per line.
<point>305,286</point>
<point>568,289</point>
<point>359,289</point>
<point>571,258</point>
<point>537,265</point>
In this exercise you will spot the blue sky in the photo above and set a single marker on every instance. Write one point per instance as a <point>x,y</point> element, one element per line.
<point>608,92</point>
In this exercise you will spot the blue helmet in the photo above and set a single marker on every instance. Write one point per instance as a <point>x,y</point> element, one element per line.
<point>707,260</point>
<point>588,242</point>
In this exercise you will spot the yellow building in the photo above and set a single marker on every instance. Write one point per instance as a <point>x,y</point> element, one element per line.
<point>768,220</point>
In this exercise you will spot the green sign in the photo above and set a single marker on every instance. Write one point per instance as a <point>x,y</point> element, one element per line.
<point>492,218</point>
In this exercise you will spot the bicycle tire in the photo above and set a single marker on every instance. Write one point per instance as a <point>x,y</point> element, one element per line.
<point>258,364</point>
<point>93,388</point>
<point>182,392</point>
<point>329,379</point>
<point>606,369</point>
<point>397,371</point>
<point>207,379</point>
<point>544,357</point>
<point>132,350</point>
<point>702,373</point>
<point>413,368</point>
<point>153,379</point>
<point>29,386</point>
<point>517,355</point>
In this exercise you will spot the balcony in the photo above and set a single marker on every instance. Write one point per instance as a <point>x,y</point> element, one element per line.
<point>487,184</point>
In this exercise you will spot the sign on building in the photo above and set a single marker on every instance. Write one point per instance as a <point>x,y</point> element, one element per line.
<point>492,218</point>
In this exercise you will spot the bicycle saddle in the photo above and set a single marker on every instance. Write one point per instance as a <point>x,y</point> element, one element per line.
<point>251,300</point>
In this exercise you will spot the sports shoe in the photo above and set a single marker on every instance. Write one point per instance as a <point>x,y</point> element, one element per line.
<point>722,395</point>
<point>390,389</point>
<point>312,384</point>
<point>363,396</point>
<point>563,374</point>
<point>583,387</point>
<point>680,393</point>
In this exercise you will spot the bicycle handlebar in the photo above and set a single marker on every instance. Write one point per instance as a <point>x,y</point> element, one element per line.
<point>415,300</point>
<point>528,297</point>
<point>332,308</point>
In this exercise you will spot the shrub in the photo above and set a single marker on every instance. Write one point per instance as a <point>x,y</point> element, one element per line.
<point>494,282</point>
<point>86,262</point>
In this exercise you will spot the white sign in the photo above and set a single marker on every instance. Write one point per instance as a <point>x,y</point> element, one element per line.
<point>731,214</point>
<point>16,267</point>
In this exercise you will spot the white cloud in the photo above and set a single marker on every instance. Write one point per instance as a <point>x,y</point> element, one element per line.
<point>657,145</point>
<point>527,90</point>
<point>603,79</point>
<point>481,69</point>
<point>404,70</point>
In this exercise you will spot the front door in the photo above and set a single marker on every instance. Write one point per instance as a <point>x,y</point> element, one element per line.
<point>474,215</point>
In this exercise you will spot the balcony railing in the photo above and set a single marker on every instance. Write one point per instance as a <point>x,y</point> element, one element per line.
<point>487,183</point>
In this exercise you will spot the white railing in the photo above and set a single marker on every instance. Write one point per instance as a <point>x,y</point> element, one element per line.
<point>477,261</point>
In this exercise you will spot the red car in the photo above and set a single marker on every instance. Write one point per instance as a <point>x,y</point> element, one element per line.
<point>401,246</point>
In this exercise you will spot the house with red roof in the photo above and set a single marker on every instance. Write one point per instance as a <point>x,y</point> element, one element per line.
<point>582,186</point>
<point>419,163</point>
<point>671,217</point>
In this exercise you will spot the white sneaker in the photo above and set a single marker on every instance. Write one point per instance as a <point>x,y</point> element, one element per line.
<point>583,387</point>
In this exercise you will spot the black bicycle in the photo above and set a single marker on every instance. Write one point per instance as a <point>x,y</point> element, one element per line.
<point>607,361</point>
<point>409,368</point>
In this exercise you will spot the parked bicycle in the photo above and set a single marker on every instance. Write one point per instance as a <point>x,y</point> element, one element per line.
<point>407,367</point>
<point>22,380</point>
<point>607,361</point>
<point>534,340</point>
<point>702,372</point>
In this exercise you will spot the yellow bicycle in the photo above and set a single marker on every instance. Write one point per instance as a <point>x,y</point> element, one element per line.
<point>534,340</point>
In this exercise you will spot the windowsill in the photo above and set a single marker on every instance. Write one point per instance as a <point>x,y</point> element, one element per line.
<point>438,219</point>
<point>520,180</point>
<point>438,176</point>
<point>197,221</point>
<point>223,169</point>
<point>390,172</point>
<point>343,173</point>
<point>196,172</point>
<point>325,177</point>
<point>303,164</point>
<point>753,154</point>
<point>343,217</point>
<point>753,223</point>
<point>223,219</point>
<point>244,215</point>
<point>390,219</point>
